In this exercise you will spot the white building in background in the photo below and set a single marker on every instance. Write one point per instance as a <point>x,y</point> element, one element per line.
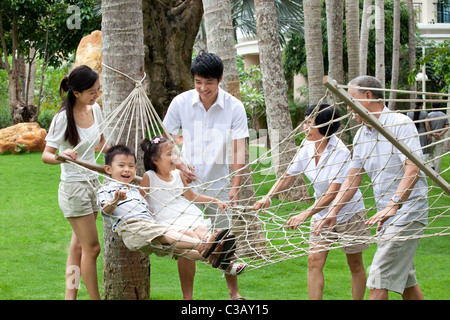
<point>248,49</point>
<point>432,18</point>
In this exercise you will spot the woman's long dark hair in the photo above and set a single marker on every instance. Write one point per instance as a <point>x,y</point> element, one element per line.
<point>80,79</point>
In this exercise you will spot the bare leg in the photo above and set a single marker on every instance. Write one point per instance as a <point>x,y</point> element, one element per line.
<point>358,273</point>
<point>378,294</point>
<point>179,240</point>
<point>86,233</point>
<point>316,280</point>
<point>413,293</point>
<point>186,272</point>
<point>232,284</point>
<point>73,270</point>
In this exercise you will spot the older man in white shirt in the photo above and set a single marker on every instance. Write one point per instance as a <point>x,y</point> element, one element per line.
<point>400,191</point>
<point>213,123</point>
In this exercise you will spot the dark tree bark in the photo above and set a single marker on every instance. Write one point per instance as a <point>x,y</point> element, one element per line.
<point>170,28</point>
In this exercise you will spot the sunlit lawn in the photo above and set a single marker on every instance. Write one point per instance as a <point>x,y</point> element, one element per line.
<point>34,240</point>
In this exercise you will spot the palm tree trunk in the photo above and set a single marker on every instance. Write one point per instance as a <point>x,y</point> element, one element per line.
<point>277,106</point>
<point>352,17</point>
<point>412,47</point>
<point>335,22</point>
<point>380,66</point>
<point>220,39</point>
<point>395,54</point>
<point>364,38</point>
<point>314,57</point>
<point>126,274</point>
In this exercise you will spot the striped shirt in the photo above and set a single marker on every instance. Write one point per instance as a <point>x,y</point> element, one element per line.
<point>132,208</point>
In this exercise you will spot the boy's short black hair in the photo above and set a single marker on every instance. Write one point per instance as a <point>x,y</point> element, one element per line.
<point>207,65</point>
<point>115,150</point>
<point>435,105</point>
<point>326,115</point>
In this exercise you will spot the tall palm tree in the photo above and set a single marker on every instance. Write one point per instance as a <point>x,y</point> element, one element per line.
<point>126,274</point>
<point>364,36</point>
<point>289,15</point>
<point>220,40</point>
<point>411,44</point>
<point>275,89</point>
<point>395,53</point>
<point>352,28</point>
<point>313,44</point>
<point>335,21</point>
<point>380,67</point>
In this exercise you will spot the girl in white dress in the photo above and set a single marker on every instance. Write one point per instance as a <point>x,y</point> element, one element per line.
<point>170,199</point>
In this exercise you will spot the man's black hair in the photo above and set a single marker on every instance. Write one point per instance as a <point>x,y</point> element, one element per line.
<point>435,105</point>
<point>326,114</point>
<point>115,150</point>
<point>208,66</point>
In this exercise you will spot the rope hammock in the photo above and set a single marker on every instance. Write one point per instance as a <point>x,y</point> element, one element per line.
<point>263,239</point>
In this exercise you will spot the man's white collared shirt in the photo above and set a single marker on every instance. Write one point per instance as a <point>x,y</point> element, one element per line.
<point>383,163</point>
<point>207,135</point>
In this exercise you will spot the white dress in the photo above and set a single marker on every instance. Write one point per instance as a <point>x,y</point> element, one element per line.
<point>169,206</point>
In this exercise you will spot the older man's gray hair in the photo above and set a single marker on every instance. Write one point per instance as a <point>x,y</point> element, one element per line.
<point>368,82</point>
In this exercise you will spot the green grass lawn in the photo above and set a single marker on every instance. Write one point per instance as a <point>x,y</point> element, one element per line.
<point>34,242</point>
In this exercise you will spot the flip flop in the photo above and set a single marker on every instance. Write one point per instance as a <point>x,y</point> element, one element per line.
<point>224,249</point>
<point>208,246</point>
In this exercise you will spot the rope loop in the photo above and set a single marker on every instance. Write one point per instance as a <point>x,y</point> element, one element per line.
<point>138,83</point>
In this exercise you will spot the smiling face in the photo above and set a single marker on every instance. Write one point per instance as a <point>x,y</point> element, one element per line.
<point>356,94</point>
<point>372,104</point>
<point>312,133</point>
<point>122,168</point>
<point>167,159</point>
<point>88,96</point>
<point>208,89</point>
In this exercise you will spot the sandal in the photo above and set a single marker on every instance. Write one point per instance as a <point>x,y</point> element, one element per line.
<point>230,253</point>
<point>207,246</point>
<point>230,266</point>
<point>225,249</point>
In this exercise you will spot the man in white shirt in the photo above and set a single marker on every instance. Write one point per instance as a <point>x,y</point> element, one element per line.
<point>213,123</point>
<point>400,191</point>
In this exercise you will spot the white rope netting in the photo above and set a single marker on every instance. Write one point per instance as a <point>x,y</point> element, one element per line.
<point>262,236</point>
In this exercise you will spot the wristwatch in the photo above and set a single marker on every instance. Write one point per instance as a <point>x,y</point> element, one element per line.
<point>397,201</point>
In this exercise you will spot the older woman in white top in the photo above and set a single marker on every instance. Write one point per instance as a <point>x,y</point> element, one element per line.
<point>323,158</point>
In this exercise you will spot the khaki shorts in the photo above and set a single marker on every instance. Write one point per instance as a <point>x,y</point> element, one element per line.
<point>78,198</point>
<point>352,234</point>
<point>392,266</point>
<point>141,235</point>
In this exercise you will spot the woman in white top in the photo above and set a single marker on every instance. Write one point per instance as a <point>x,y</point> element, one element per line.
<point>78,121</point>
<point>323,158</point>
